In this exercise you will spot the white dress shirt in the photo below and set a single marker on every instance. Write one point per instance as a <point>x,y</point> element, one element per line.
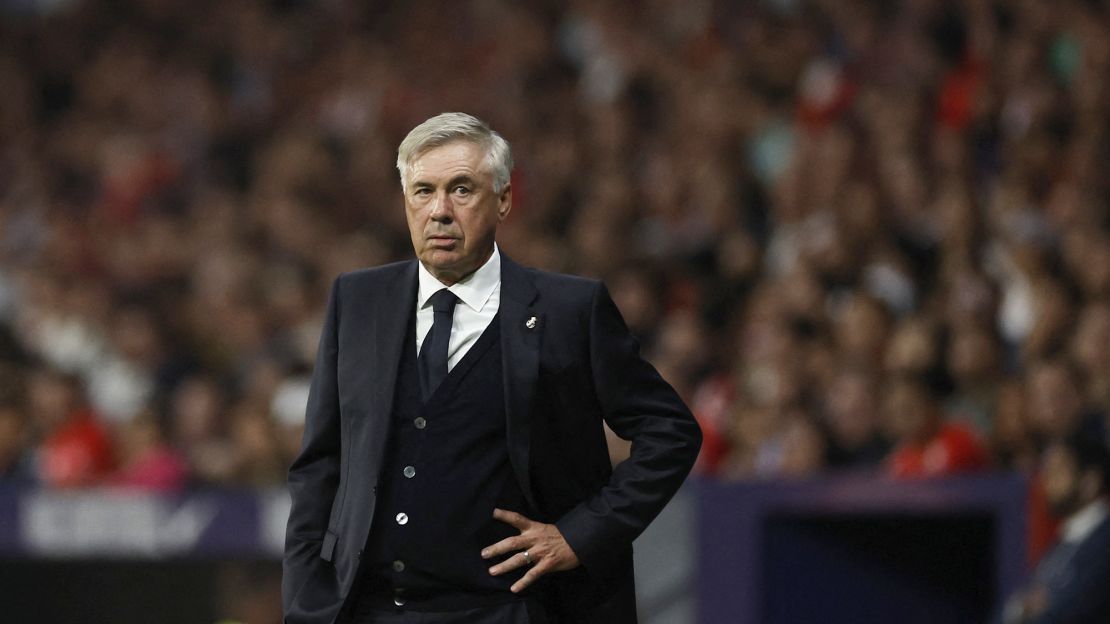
<point>1082,524</point>
<point>479,299</point>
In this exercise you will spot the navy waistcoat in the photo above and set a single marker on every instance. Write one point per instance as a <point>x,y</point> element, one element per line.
<point>447,468</point>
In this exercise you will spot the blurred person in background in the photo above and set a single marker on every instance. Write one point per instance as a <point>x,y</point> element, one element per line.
<point>197,415</point>
<point>257,451</point>
<point>1056,404</point>
<point>1012,440</point>
<point>1090,349</point>
<point>974,362</point>
<point>853,420</point>
<point>804,447</point>
<point>1069,583</point>
<point>860,328</point>
<point>73,448</point>
<point>146,460</point>
<point>915,349</point>
<point>927,444</point>
<point>15,460</point>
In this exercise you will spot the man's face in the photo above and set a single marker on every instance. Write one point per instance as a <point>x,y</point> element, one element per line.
<point>452,209</point>
<point>909,415</point>
<point>1054,401</point>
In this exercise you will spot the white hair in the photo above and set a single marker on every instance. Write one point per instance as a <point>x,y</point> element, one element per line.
<point>450,127</point>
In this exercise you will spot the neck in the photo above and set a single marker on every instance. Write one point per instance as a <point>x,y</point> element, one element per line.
<point>450,278</point>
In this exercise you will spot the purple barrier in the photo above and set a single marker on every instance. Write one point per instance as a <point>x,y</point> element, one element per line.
<point>38,523</point>
<point>859,549</point>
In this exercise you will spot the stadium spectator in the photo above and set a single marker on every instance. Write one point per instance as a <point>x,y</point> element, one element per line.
<point>1069,582</point>
<point>853,421</point>
<point>14,459</point>
<point>927,443</point>
<point>147,462</point>
<point>76,447</point>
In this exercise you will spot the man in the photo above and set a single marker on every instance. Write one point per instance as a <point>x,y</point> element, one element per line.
<point>926,445</point>
<point>454,465</point>
<point>1070,583</point>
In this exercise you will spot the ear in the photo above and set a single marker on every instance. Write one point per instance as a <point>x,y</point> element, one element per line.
<point>505,202</point>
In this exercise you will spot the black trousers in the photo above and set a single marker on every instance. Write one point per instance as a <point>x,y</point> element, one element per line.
<point>520,612</point>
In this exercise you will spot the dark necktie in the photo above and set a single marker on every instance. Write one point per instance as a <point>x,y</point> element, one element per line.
<point>433,353</point>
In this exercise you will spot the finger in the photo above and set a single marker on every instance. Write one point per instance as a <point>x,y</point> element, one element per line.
<point>518,521</point>
<point>530,577</point>
<point>507,545</point>
<point>509,564</point>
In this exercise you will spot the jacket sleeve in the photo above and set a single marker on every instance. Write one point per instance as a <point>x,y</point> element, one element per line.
<point>640,406</point>
<point>314,474</point>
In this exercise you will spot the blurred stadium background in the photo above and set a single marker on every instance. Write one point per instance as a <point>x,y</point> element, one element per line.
<point>868,242</point>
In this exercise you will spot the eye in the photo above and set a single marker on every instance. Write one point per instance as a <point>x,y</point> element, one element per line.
<point>422,191</point>
<point>462,190</point>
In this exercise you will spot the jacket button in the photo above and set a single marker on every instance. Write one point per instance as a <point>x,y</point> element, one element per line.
<point>419,422</point>
<point>359,556</point>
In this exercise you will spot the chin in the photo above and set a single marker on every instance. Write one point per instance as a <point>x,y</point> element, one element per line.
<point>440,258</point>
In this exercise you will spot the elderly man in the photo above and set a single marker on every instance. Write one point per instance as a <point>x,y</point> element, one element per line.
<point>454,464</point>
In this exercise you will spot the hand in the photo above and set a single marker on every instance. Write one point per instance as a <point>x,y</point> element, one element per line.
<point>545,545</point>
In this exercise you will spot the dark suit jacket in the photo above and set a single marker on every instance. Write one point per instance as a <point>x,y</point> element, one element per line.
<point>576,366</point>
<point>1076,578</point>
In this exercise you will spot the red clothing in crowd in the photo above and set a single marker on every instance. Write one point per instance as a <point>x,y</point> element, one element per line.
<point>161,469</point>
<point>952,450</point>
<point>77,453</point>
<point>712,406</point>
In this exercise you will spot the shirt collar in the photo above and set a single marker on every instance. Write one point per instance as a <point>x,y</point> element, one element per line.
<point>474,290</point>
<point>1079,526</point>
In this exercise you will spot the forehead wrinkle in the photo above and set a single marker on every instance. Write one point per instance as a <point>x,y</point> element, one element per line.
<point>452,159</point>
<point>449,175</point>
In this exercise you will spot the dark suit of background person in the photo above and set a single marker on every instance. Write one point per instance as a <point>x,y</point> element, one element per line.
<point>567,363</point>
<point>1071,584</point>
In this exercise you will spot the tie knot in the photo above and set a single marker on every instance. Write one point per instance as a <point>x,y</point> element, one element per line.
<point>443,301</point>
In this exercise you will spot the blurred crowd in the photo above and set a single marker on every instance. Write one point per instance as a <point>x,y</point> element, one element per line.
<point>854,235</point>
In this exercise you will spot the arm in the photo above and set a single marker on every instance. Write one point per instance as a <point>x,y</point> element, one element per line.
<point>314,475</point>
<point>640,406</point>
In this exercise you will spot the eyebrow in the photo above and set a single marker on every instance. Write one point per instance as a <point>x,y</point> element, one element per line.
<point>459,179</point>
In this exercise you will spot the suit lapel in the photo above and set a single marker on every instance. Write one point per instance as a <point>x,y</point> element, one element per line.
<point>522,328</point>
<point>390,330</point>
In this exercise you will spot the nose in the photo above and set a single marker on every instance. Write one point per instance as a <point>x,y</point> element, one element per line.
<point>442,209</point>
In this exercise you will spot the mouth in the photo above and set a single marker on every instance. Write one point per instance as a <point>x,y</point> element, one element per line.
<point>441,240</point>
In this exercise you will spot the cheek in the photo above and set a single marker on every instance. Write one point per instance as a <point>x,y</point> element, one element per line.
<point>416,220</point>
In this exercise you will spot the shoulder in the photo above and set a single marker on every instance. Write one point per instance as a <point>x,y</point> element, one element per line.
<point>378,276</point>
<point>564,284</point>
<point>564,289</point>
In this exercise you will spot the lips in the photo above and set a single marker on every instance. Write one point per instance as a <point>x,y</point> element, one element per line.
<point>441,240</point>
